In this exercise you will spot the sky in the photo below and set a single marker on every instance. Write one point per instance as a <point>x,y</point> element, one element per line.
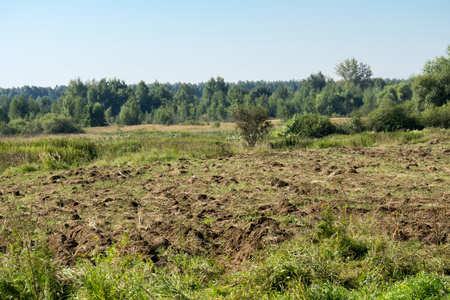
<point>48,43</point>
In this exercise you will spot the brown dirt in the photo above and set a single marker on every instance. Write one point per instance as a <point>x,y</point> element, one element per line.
<point>229,208</point>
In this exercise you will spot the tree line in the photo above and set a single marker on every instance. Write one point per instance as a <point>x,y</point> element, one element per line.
<point>107,101</point>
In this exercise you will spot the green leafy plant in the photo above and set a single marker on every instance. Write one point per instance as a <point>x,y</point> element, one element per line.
<point>437,116</point>
<point>308,126</point>
<point>252,123</point>
<point>326,227</point>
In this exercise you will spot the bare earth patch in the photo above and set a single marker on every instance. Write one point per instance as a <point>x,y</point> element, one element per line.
<point>229,208</point>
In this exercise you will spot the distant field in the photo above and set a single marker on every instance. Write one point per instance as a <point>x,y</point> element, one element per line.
<point>226,126</point>
<point>339,120</point>
<point>150,127</point>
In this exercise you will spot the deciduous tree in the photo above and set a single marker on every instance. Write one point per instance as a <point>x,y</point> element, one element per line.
<point>355,72</point>
<point>129,113</point>
<point>18,108</point>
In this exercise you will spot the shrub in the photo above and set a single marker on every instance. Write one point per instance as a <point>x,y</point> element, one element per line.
<point>52,123</point>
<point>251,123</point>
<point>5,129</point>
<point>308,126</point>
<point>355,125</point>
<point>34,127</point>
<point>391,117</point>
<point>193,122</point>
<point>17,126</point>
<point>437,116</point>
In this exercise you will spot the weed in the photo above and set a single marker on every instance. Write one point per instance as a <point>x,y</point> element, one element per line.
<point>326,227</point>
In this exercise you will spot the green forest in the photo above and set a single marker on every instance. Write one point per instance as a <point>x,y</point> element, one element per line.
<point>388,104</point>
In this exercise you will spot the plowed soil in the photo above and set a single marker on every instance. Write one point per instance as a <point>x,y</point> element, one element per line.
<point>231,207</point>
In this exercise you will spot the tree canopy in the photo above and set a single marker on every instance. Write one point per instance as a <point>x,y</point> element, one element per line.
<point>355,72</point>
<point>107,101</point>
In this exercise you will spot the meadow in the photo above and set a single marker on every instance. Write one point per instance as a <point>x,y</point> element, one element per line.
<point>191,213</point>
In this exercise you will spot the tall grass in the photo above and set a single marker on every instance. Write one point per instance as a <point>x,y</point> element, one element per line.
<point>52,153</point>
<point>365,139</point>
<point>66,152</point>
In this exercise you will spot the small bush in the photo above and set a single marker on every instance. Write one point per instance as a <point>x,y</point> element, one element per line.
<point>5,129</point>
<point>17,126</point>
<point>308,126</point>
<point>34,127</point>
<point>252,123</point>
<point>53,124</point>
<point>391,117</point>
<point>355,125</point>
<point>193,122</point>
<point>437,116</point>
<point>327,227</point>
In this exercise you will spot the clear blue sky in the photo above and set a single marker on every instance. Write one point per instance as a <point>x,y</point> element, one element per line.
<point>47,43</point>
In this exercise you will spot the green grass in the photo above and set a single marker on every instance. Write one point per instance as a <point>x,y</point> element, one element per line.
<point>27,155</point>
<point>23,155</point>
<point>365,139</point>
<point>341,259</point>
<point>334,258</point>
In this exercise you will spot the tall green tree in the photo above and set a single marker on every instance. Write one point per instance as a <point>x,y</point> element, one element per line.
<point>236,94</point>
<point>369,100</point>
<point>19,108</point>
<point>86,118</point>
<point>93,115</point>
<point>355,72</point>
<point>278,105</point>
<point>186,102</point>
<point>110,93</point>
<point>5,102</point>
<point>214,102</point>
<point>142,95</point>
<point>257,93</point>
<point>329,100</point>
<point>129,113</point>
<point>433,87</point>
<point>45,104</point>
<point>67,104</point>
<point>304,100</point>
<point>76,88</point>
<point>438,64</point>
<point>353,99</point>
<point>3,115</point>
<point>98,115</point>
<point>160,95</point>
<point>33,107</point>
<point>404,92</point>
<point>79,105</point>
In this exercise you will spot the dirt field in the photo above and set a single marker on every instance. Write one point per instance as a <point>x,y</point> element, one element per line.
<point>230,207</point>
